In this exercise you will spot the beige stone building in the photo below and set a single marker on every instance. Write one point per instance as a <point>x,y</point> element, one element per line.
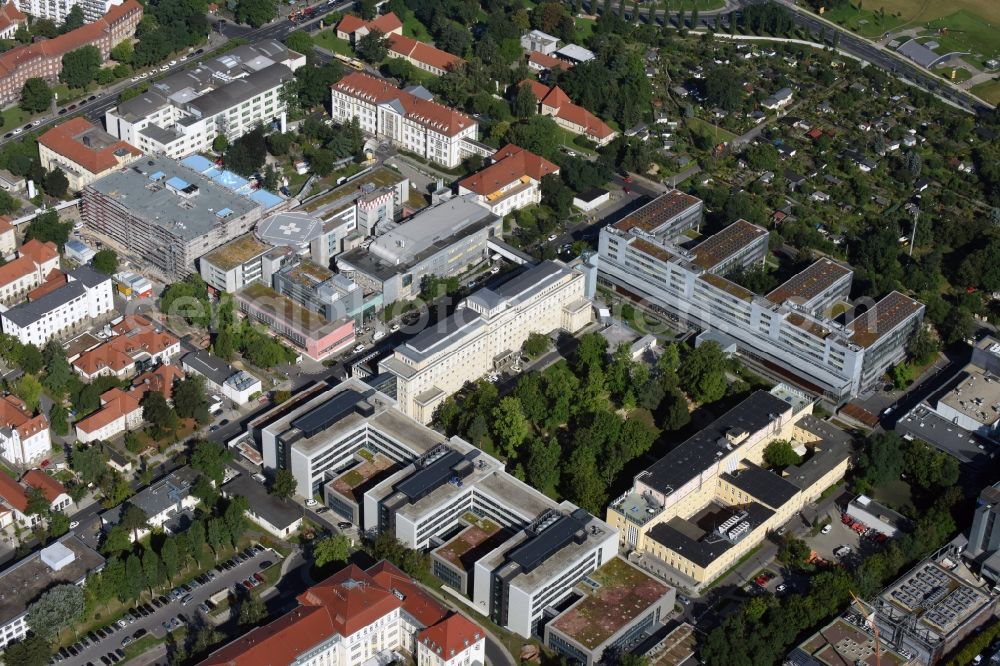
<point>84,152</point>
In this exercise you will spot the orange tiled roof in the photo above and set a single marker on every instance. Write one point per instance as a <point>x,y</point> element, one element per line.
<point>386,23</point>
<point>51,488</point>
<point>546,61</point>
<point>510,163</point>
<point>420,605</point>
<point>555,98</point>
<point>12,493</point>
<point>120,351</point>
<point>11,15</point>
<point>5,224</point>
<point>38,251</point>
<point>17,269</point>
<point>160,380</point>
<point>425,53</point>
<point>429,114</point>
<point>65,140</point>
<point>451,637</point>
<point>55,279</point>
<point>116,404</point>
<point>14,414</point>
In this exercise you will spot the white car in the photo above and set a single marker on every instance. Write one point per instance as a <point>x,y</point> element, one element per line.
<point>359,348</point>
<point>378,335</point>
<point>17,131</point>
<point>144,75</point>
<point>494,270</point>
<point>73,524</point>
<point>173,62</point>
<point>552,237</point>
<point>311,502</point>
<point>394,328</point>
<point>164,68</point>
<point>826,529</point>
<point>135,79</point>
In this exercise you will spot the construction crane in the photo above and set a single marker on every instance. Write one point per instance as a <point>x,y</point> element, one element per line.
<point>870,619</point>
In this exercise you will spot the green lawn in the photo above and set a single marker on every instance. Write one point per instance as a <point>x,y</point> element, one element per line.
<point>12,117</point>
<point>584,29</point>
<point>967,32</point>
<point>704,127</point>
<point>414,28</point>
<point>989,91</point>
<point>866,22</point>
<point>328,40</point>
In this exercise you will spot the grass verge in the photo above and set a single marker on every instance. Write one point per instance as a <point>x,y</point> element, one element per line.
<point>728,572</point>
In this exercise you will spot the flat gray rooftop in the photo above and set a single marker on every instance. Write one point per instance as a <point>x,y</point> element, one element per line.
<point>23,582</point>
<point>147,190</point>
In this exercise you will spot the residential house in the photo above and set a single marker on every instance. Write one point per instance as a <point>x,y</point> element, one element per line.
<point>778,100</point>
<point>24,437</point>
<point>542,62</point>
<point>423,56</point>
<point>556,103</point>
<point>120,411</point>
<point>543,43</point>
<point>353,28</point>
<point>166,503</point>
<point>14,494</point>
<point>11,18</point>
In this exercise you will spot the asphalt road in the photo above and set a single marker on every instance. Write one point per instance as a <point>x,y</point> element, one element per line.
<point>153,623</point>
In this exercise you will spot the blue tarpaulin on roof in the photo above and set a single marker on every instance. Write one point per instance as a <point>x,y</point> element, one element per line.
<point>198,163</point>
<point>266,199</point>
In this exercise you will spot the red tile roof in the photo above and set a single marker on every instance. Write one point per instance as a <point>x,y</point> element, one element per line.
<point>89,33</point>
<point>416,602</point>
<point>557,100</point>
<point>122,350</point>
<point>5,224</point>
<point>452,636</point>
<point>276,643</point>
<point>12,493</point>
<point>55,279</point>
<point>17,269</point>
<point>67,140</point>
<point>425,53</point>
<point>386,24</point>
<point>14,414</point>
<point>510,164</point>
<point>161,380</point>
<point>432,115</point>
<point>352,598</point>
<point>38,251</point>
<point>116,404</point>
<point>51,488</point>
<point>10,15</point>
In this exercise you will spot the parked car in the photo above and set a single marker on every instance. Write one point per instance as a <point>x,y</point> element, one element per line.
<point>186,599</point>
<point>826,529</point>
<point>265,564</point>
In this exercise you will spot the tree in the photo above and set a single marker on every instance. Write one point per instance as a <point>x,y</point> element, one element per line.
<point>190,401</point>
<point>134,577</point>
<point>60,606</point>
<point>234,517</point>
<point>38,504</point>
<point>29,389</point>
<point>336,548</point>
<point>284,484</point>
<point>47,227</point>
<point>255,13</point>
<point>32,650</point>
<point>300,42</point>
<point>216,535</point>
<point>36,96</point>
<point>169,557</point>
<point>156,411</point>
<point>252,610</point>
<point>246,155</point>
<point>367,9</point>
<point>122,52</point>
<point>373,47</point>
<point>881,459</point>
<point>58,372</point>
<point>536,345</point>
<point>398,68</point>
<point>56,183</point>
<point>133,519</point>
<point>74,19</point>
<point>779,454</point>
<point>210,459</point>
<point>525,103</point>
<point>703,373</point>
<point>116,541</point>
<point>80,67</point>
<point>544,464</point>
<point>89,463</point>
<point>794,552</point>
<point>509,425</point>
<point>921,346</point>
<point>723,88</point>
<point>105,261</point>
<point>152,569</point>
<point>676,414</point>
<point>58,420</point>
<point>220,143</point>
<point>196,536</point>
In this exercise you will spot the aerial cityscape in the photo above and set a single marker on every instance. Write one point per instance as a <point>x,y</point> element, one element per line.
<point>500,333</point>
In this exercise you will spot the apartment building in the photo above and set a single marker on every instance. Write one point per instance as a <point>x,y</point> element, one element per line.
<point>484,332</point>
<point>35,262</point>
<point>57,10</point>
<point>8,241</point>
<point>83,151</point>
<point>441,240</point>
<point>14,495</point>
<point>715,478</point>
<point>163,502</point>
<point>24,437</point>
<point>120,411</point>
<point>167,213</point>
<point>67,560</point>
<point>43,59</point>
<point>511,182</point>
<point>85,296</point>
<point>361,616</point>
<point>433,131</point>
<point>227,95</point>
<point>805,330</point>
<point>573,117</point>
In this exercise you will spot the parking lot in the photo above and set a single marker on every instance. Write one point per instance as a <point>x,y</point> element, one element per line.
<point>177,608</point>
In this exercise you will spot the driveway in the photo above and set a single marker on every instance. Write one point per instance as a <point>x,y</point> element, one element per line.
<point>153,623</point>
